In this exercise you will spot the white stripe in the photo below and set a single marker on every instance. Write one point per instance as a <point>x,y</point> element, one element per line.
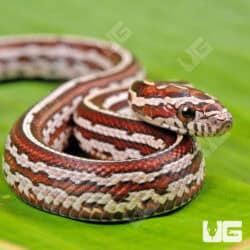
<point>62,116</point>
<point>119,133</point>
<point>78,177</point>
<point>59,118</point>
<point>167,123</point>
<point>59,91</point>
<point>110,101</point>
<point>175,101</point>
<point>124,84</point>
<point>57,196</point>
<point>119,155</point>
<point>58,51</point>
<point>62,140</point>
<point>40,67</point>
<point>126,111</point>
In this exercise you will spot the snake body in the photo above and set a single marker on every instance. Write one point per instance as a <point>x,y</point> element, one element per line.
<point>136,170</point>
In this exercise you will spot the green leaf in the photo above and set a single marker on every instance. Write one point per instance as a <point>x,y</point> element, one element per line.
<point>160,33</point>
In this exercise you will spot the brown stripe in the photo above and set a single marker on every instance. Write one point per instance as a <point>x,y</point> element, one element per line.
<point>99,99</point>
<point>81,89</point>
<point>120,105</point>
<point>131,126</point>
<point>118,143</point>
<point>100,168</point>
<point>155,111</point>
<point>80,45</point>
<point>149,207</point>
<point>119,191</point>
<point>58,132</point>
<point>172,89</point>
<point>151,91</point>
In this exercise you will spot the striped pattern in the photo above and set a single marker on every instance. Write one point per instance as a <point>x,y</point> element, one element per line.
<point>162,104</point>
<point>136,170</point>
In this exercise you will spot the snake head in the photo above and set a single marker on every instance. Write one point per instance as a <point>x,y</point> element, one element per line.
<point>179,107</point>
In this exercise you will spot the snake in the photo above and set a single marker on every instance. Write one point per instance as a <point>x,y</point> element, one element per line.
<point>107,145</point>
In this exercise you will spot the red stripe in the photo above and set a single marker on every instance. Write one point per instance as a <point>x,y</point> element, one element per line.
<point>155,111</point>
<point>36,153</point>
<point>58,132</point>
<point>118,191</point>
<point>118,143</point>
<point>131,126</point>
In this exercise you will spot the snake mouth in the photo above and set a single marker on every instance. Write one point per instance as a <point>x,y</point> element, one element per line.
<point>226,126</point>
<point>218,124</point>
<point>226,122</point>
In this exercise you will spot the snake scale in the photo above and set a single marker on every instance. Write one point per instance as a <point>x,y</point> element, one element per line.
<point>133,170</point>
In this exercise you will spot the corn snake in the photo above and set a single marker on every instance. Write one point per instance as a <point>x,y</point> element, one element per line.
<point>137,170</point>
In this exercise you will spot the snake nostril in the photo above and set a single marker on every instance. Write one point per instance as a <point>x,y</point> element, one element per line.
<point>228,124</point>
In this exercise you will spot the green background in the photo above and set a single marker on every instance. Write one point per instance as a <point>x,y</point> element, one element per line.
<point>160,33</point>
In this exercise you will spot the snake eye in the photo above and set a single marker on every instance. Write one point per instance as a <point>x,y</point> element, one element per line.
<point>186,112</point>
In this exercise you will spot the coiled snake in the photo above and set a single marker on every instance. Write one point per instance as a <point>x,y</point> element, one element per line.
<point>136,170</point>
